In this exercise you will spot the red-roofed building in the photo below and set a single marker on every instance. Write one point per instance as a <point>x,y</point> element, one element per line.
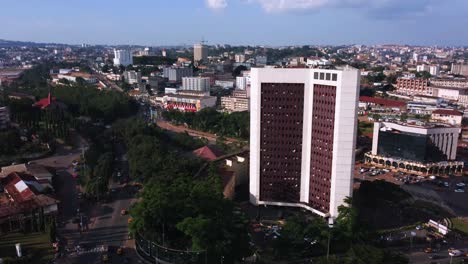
<point>375,103</point>
<point>21,196</point>
<point>45,102</point>
<point>208,152</point>
<point>449,116</point>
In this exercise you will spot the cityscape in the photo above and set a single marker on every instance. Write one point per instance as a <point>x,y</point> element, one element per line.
<point>234,153</point>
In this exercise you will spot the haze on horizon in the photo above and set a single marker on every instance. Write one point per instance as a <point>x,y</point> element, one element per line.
<point>237,22</point>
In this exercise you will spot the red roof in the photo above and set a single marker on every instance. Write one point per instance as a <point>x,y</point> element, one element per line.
<point>208,153</point>
<point>45,102</point>
<point>381,101</point>
<point>447,112</point>
<point>16,186</point>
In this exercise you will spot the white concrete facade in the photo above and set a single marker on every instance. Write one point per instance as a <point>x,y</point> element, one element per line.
<point>196,83</point>
<point>347,84</point>
<point>122,57</point>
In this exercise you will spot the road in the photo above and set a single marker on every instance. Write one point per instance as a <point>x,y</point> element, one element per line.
<point>104,224</point>
<point>194,133</point>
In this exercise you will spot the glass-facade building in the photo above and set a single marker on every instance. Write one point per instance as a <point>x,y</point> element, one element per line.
<point>409,146</point>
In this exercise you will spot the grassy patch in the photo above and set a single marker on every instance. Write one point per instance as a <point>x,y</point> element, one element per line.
<point>366,127</point>
<point>36,245</point>
<point>460,225</point>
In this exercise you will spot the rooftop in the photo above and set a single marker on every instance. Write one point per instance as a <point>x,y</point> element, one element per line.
<point>381,101</point>
<point>447,112</point>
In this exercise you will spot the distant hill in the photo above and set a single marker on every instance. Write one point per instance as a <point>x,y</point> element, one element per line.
<point>14,43</point>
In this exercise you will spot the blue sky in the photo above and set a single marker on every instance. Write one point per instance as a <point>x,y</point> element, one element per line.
<point>262,22</point>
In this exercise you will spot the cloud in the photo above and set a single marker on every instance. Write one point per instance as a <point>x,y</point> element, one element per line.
<point>216,4</point>
<point>399,6</point>
<point>383,9</point>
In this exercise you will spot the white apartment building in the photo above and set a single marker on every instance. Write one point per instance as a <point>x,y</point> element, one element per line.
<point>132,77</point>
<point>196,83</point>
<point>122,57</point>
<point>175,74</point>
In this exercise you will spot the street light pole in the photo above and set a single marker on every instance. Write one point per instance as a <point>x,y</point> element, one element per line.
<point>330,227</point>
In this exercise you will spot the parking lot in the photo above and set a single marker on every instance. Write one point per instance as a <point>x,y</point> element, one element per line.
<point>448,192</point>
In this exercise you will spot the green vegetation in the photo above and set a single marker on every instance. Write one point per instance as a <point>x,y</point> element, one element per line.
<point>153,154</point>
<point>350,241</point>
<point>460,225</point>
<point>363,254</point>
<point>97,104</point>
<point>384,205</point>
<point>36,248</point>
<point>175,209</point>
<point>186,213</point>
<point>209,120</point>
<point>365,128</point>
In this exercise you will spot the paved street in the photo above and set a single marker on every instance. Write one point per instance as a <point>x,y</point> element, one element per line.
<point>105,226</point>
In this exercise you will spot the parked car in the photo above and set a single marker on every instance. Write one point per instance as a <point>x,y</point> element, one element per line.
<point>461,184</point>
<point>459,190</point>
<point>455,253</point>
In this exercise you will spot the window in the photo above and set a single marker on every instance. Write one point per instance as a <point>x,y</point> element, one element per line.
<point>328,76</point>
<point>316,75</point>
<point>322,76</point>
<point>334,77</point>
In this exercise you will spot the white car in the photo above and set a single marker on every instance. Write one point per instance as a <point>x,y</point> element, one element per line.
<point>455,253</point>
<point>459,190</point>
<point>461,184</point>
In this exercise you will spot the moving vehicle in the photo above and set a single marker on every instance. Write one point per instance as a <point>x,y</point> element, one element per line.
<point>123,212</point>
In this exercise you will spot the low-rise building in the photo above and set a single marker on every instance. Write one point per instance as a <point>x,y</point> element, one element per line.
<point>423,148</point>
<point>188,102</point>
<point>449,116</point>
<point>380,104</point>
<point>238,102</point>
<point>175,74</point>
<point>73,77</point>
<point>450,82</point>
<point>132,77</point>
<point>413,86</point>
<point>226,84</point>
<point>450,93</point>
<point>23,199</point>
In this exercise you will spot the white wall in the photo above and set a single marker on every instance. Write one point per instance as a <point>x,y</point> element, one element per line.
<point>347,84</point>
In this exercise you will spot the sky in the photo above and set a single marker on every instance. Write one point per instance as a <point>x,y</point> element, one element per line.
<point>237,22</point>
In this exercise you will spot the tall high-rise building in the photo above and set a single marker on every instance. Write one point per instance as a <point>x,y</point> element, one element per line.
<point>200,52</point>
<point>303,137</point>
<point>122,57</point>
